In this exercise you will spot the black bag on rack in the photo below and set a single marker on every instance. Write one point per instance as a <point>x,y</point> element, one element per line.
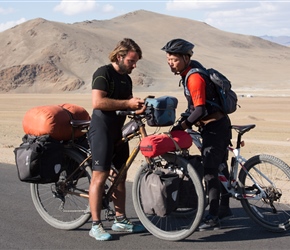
<point>39,159</point>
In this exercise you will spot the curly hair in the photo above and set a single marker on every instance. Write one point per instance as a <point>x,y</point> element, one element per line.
<point>123,47</point>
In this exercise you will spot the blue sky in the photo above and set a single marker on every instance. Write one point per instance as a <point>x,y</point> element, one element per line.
<point>244,17</point>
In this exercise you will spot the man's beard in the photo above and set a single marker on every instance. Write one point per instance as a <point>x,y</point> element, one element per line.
<point>123,68</point>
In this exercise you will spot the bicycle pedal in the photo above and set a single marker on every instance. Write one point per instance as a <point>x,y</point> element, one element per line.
<point>238,196</point>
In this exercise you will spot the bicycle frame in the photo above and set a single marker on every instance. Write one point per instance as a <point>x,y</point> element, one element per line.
<point>123,170</point>
<point>237,160</point>
<point>118,174</point>
<point>231,184</point>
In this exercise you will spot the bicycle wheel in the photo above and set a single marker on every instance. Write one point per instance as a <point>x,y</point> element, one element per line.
<point>184,220</point>
<point>272,210</point>
<point>65,204</point>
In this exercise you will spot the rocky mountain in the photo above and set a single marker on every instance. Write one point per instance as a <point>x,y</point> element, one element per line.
<point>44,56</point>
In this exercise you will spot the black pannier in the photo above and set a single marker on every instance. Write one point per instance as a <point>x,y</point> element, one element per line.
<point>39,159</point>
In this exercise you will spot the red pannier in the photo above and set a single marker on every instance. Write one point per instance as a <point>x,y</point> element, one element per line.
<point>54,120</point>
<point>154,145</point>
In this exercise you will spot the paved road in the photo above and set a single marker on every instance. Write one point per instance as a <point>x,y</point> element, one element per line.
<point>22,228</point>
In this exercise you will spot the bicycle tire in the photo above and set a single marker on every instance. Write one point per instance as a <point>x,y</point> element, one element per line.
<point>271,212</point>
<point>181,223</point>
<point>55,205</point>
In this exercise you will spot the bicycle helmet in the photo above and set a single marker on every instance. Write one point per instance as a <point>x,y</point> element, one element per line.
<point>179,46</point>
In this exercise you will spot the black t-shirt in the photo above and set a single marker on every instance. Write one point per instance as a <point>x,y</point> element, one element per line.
<point>118,86</point>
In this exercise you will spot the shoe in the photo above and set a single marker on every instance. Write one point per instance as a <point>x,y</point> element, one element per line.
<point>210,223</point>
<point>225,213</point>
<point>99,233</point>
<point>126,226</point>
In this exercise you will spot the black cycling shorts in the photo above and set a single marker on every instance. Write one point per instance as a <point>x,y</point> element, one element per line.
<point>105,131</point>
<point>216,138</point>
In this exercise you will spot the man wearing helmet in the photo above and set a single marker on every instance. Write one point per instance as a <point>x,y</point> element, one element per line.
<point>213,125</point>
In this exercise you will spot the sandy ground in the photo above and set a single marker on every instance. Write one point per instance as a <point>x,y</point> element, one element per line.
<point>270,114</point>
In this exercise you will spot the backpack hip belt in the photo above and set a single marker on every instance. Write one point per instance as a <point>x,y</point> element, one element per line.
<point>210,118</point>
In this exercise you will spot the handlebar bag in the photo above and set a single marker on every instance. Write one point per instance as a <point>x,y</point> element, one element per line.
<point>161,111</point>
<point>154,145</point>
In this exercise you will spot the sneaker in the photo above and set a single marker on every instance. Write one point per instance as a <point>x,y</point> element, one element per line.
<point>225,213</point>
<point>126,226</point>
<point>99,233</point>
<point>210,223</point>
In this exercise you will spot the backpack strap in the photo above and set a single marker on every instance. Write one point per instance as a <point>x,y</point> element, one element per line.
<point>206,73</point>
<point>195,70</point>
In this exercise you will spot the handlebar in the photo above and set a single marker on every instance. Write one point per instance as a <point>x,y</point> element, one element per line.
<point>125,112</point>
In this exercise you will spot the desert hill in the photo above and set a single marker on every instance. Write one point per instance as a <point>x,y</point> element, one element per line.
<point>42,56</point>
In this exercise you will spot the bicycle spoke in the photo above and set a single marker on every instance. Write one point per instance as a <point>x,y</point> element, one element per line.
<point>183,221</point>
<point>271,208</point>
<point>64,204</point>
